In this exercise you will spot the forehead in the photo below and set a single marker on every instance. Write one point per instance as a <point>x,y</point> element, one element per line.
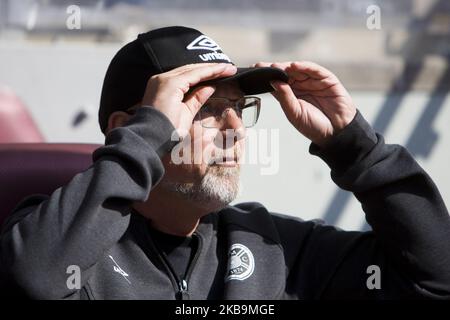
<point>228,90</point>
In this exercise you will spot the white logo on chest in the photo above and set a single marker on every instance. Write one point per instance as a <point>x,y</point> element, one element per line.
<point>119,270</point>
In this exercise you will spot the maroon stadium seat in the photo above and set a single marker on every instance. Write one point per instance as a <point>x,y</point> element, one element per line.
<point>30,168</point>
<point>16,125</point>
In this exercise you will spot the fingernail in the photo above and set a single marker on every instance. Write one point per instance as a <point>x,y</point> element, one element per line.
<point>272,84</point>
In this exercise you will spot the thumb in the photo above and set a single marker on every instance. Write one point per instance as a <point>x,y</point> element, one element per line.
<point>285,96</point>
<point>198,97</point>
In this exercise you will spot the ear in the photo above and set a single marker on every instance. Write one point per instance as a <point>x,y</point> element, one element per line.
<point>117,119</point>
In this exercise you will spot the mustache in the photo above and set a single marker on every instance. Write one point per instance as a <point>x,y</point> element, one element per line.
<point>225,155</point>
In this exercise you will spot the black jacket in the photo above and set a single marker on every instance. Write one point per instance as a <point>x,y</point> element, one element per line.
<point>246,252</point>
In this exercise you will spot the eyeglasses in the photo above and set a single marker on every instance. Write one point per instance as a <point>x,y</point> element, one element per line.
<point>215,111</point>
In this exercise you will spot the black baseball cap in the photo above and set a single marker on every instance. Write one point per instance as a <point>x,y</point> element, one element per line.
<point>164,49</point>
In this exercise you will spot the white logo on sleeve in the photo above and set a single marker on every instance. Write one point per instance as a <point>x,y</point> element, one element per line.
<point>205,43</point>
<point>119,270</point>
<point>241,263</point>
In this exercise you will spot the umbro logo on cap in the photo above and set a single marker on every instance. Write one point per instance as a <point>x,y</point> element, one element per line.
<point>206,43</point>
<point>203,43</point>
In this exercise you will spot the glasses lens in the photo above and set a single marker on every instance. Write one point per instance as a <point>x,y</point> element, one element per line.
<point>215,111</point>
<point>250,111</point>
<point>210,113</point>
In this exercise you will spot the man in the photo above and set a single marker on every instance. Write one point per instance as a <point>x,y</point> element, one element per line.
<point>140,224</point>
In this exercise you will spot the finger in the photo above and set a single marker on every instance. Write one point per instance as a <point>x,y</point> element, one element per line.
<point>297,76</point>
<point>314,85</point>
<point>308,98</point>
<point>287,99</point>
<point>262,64</point>
<point>309,68</point>
<point>320,93</point>
<point>284,66</point>
<point>194,76</point>
<point>281,65</point>
<point>191,66</point>
<point>198,97</point>
<point>317,101</point>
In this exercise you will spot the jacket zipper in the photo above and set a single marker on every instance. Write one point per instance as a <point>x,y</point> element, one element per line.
<point>184,282</point>
<point>180,285</point>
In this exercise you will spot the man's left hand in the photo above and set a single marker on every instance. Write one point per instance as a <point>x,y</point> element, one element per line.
<point>313,100</point>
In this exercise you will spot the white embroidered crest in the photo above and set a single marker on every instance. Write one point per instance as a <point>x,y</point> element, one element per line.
<point>241,263</point>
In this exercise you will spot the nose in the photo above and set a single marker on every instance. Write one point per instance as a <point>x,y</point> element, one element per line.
<point>231,126</point>
<point>230,120</point>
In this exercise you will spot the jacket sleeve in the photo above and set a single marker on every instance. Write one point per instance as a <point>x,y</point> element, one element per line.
<point>410,241</point>
<point>86,217</point>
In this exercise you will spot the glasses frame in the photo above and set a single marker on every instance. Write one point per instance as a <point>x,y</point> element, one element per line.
<point>234,104</point>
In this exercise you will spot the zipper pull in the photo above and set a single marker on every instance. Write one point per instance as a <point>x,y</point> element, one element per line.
<point>183,292</point>
<point>183,285</point>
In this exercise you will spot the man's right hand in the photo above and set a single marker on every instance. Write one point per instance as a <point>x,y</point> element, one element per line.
<point>166,91</point>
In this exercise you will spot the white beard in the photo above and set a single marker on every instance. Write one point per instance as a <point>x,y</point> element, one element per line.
<point>217,189</point>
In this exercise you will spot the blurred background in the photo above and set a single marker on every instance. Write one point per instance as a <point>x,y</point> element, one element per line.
<point>393,57</point>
